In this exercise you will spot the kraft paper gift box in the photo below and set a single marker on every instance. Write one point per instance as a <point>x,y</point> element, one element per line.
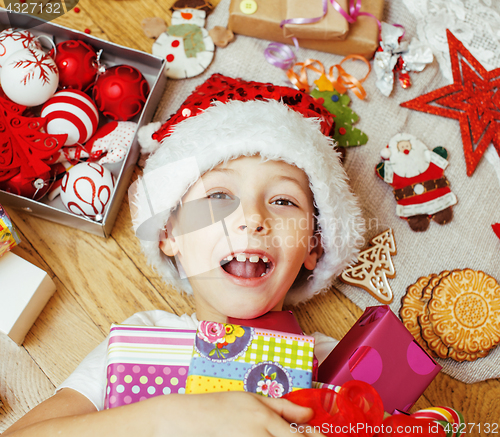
<point>362,38</point>
<point>332,26</point>
<point>25,289</point>
<point>230,357</point>
<point>146,361</point>
<point>379,350</point>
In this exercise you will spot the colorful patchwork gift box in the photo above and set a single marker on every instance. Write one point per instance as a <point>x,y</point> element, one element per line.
<point>230,357</point>
<point>146,361</point>
<point>379,350</point>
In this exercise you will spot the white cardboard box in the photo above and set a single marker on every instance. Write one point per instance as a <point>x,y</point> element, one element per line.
<point>24,291</point>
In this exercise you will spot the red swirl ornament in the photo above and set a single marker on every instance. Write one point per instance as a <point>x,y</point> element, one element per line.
<point>121,92</point>
<point>76,61</point>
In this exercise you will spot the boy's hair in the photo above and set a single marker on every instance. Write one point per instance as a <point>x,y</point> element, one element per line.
<point>226,131</point>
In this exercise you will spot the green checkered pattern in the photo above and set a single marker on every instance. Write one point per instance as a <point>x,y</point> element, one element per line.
<point>289,353</point>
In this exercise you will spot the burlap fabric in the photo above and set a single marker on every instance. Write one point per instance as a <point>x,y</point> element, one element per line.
<point>468,241</point>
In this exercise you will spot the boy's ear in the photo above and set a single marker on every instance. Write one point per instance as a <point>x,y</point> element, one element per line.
<point>168,245</point>
<point>315,252</point>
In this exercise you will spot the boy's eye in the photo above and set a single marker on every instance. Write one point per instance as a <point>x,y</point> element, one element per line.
<point>219,196</point>
<point>283,202</point>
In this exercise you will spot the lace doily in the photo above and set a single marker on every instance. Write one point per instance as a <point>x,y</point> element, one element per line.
<point>476,23</point>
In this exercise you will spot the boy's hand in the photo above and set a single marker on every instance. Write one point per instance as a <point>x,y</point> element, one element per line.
<point>233,414</point>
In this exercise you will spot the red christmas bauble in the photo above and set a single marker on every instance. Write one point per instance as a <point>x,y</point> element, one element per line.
<point>76,61</point>
<point>121,92</point>
<point>32,188</point>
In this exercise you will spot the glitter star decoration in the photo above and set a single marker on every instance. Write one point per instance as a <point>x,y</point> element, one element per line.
<point>473,99</point>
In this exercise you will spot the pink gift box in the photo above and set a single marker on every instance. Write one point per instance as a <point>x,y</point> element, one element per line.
<point>379,350</point>
<point>146,361</point>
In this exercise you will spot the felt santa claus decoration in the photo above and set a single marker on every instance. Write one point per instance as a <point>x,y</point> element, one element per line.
<point>416,174</point>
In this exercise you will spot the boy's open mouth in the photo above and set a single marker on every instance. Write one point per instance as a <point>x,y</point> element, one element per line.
<point>247,265</point>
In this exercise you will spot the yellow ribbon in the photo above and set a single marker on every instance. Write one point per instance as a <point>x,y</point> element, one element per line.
<point>341,83</point>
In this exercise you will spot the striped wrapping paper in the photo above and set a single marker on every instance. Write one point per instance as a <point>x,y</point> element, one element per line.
<point>230,357</point>
<point>146,361</point>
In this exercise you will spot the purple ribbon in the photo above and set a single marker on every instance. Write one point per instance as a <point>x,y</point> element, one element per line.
<point>281,55</point>
<point>306,20</point>
<point>354,13</point>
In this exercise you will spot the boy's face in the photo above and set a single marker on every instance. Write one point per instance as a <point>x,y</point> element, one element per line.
<point>243,265</point>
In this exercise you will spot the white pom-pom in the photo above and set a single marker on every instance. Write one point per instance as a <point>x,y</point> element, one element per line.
<point>147,143</point>
<point>385,153</point>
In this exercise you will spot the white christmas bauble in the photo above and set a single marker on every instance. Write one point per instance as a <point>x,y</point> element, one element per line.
<point>71,112</point>
<point>86,189</point>
<point>29,77</point>
<point>12,40</point>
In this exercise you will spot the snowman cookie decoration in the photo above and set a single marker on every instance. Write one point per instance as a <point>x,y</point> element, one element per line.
<point>186,45</point>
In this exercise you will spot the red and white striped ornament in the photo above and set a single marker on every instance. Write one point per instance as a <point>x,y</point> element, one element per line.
<point>86,189</point>
<point>13,39</point>
<point>71,112</point>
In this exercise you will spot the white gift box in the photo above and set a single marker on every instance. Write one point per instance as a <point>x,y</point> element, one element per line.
<point>25,289</point>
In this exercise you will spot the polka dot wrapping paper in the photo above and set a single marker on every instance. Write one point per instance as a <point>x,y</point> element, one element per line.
<point>229,357</point>
<point>379,350</point>
<point>146,361</point>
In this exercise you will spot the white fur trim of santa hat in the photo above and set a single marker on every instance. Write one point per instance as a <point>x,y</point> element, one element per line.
<point>146,141</point>
<point>227,131</point>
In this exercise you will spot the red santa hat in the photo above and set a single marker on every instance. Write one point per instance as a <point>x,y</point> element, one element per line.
<point>227,118</point>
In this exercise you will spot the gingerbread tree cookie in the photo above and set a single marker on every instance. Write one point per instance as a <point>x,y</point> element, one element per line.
<point>373,267</point>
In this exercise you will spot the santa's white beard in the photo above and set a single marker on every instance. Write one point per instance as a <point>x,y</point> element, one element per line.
<point>410,165</point>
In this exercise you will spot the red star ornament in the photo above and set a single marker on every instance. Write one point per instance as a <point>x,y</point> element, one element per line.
<point>496,229</point>
<point>473,99</point>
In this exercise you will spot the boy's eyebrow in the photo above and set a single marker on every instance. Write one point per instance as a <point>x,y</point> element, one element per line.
<point>229,171</point>
<point>288,178</point>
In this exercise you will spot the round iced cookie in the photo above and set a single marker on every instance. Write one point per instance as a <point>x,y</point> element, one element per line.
<point>464,311</point>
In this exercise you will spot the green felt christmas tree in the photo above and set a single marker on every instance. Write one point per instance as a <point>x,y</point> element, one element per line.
<point>338,104</point>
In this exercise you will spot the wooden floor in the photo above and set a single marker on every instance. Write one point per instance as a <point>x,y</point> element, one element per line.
<point>100,281</point>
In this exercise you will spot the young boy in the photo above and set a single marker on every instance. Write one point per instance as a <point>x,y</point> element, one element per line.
<point>246,206</point>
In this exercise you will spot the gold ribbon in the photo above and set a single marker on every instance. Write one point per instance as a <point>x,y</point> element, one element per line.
<point>341,83</point>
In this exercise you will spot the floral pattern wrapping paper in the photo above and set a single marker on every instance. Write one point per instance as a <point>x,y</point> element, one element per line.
<point>229,357</point>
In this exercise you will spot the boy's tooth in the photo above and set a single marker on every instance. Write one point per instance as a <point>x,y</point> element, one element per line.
<point>241,257</point>
<point>230,258</point>
<point>263,274</point>
<point>254,259</point>
<point>265,259</point>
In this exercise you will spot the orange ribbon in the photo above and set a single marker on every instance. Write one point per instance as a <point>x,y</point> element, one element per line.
<point>341,83</point>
